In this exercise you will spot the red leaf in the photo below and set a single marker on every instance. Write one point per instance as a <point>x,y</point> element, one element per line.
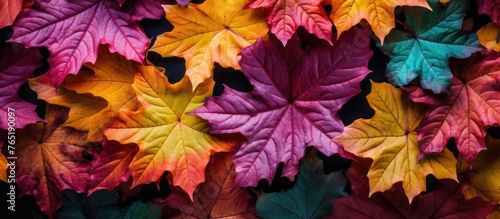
<point>287,15</point>
<point>50,160</point>
<point>471,105</point>
<point>16,66</point>
<point>111,166</point>
<point>73,33</point>
<point>445,201</point>
<point>217,197</point>
<point>292,104</point>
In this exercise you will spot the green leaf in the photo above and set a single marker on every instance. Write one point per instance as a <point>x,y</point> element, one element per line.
<point>424,48</point>
<point>309,197</point>
<point>104,204</point>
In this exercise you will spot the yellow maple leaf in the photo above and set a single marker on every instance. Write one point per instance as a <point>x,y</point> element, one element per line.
<point>214,31</point>
<point>390,139</point>
<point>168,137</point>
<point>485,179</point>
<point>489,36</point>
<point>378,13</point>
<point>93,96</point>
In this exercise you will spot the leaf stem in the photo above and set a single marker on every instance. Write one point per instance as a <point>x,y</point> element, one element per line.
<point>406,28</point>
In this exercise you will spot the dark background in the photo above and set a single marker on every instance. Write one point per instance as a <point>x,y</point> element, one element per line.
<point>356,108</point>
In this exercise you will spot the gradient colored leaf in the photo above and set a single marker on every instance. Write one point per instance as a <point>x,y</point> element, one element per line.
<point>168,137</point>
<point>489,36</point>
<point>111,166</point>
<point>285,16</point>
<point>413,51</point>
<point>309,197</point>
<point>104,204</point>
<point>464,114</point>
<point>390,139</point>
<point>293,104</point>
<point>217,197</point>
<point>446,200</point>
<point>9,9</point>
<point>491,8</point>
<point>485,175</point>
<point>16,65</point>
<point>49,160</point>
<point>214,31</point>
<point>378,13</point>
<point>99,93</point>
<point>73,33</point>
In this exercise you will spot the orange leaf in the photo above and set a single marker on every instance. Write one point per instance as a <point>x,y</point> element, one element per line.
<point>168,137</point>
<point>489,36</point>
<point>214,31</point>
<point>94,96</point>
<point>9,9</point>
<point>378,13</point>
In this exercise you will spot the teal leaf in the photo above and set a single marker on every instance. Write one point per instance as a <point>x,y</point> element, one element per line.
<point>424,48</point>
<point>104,204</point>
<point>309,197</point>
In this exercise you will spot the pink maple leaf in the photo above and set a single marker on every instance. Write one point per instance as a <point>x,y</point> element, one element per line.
<point>16,66</point>
<point>73,30</point>
<point>294,102</point>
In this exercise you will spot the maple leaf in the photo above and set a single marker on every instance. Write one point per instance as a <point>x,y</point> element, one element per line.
<point>73,35</point>
<point>93,97</point>
<point>485,174</point>
<point>308,198</point>
<point>413,51</point>
<point>287,15</point>
<point>9,9</point>
<point>16,65</point>
<point>105,204</point>
<point>217,197</point>
<point>390,139</point>
<point>49,160</point>
<point>378,13</point>
<point>489,36</point>
<point>214,31</point>
<point>491,8</point>
<point>111,166</point>
<point>168,138</point>
<point>292,104</point>
<point>445,201</point>
<point>464,114</point>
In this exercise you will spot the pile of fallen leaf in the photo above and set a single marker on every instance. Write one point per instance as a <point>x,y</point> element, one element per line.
<point>113,123</point>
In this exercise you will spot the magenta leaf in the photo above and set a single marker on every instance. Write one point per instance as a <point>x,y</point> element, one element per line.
<point>294,102</point>
<point>73,33</point>
<point>491,8</point>
<point>16,66</point>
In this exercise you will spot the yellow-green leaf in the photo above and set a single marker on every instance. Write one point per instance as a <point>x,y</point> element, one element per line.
<point>169,138</point>
<point>389,138</point>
